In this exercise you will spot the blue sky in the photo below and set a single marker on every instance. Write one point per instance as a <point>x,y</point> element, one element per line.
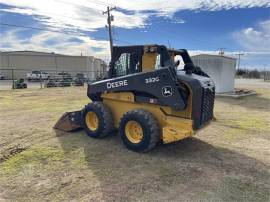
<point>199,26</point>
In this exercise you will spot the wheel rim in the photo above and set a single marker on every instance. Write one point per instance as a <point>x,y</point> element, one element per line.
<point>92,121</point>
<point>134,132</point>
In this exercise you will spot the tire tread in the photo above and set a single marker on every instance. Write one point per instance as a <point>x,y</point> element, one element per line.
<point>151,122</point>
<point>107,117</point>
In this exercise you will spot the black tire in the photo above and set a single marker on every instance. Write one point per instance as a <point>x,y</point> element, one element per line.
<point>149,125</point>
<point>105,120</point>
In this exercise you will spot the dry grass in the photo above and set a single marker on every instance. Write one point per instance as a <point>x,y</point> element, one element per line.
<point>227,161</point>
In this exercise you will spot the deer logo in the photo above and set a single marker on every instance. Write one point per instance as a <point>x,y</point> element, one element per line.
<point>167,91</point>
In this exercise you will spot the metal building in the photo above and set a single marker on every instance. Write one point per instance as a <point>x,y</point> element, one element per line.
<point>220,68</point>
<point>24,61</point>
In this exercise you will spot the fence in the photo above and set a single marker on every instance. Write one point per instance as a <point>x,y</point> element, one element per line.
<point>21,78</point>
<point>265,75</point>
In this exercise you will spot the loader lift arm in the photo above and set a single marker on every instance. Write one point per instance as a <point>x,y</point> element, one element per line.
<point>142,86</point>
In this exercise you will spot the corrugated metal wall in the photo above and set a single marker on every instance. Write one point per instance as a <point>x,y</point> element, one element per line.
<point>221,69</point>
<point>43,61</point>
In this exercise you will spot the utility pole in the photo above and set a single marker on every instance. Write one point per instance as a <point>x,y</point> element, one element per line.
<point>221,51</point>
<point>110,18</point>
<point>239,58</point>
<point>169,44</point>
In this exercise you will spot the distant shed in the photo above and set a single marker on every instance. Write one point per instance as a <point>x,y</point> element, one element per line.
<point>220,68</point>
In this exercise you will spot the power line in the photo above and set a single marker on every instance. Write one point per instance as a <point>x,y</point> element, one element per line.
<point>124,42</point>
<point>239,58</point>
<point>61,32</point>
<point>97,2</point>
<point>115,37</point>
<point>74,18</point>
<point>38,28</point>
<point>49,30</point>
<point>102,3</point>
<point>179,34</point>
<point>221,51</point>
<point>73,4</point>
<point>65,16</point>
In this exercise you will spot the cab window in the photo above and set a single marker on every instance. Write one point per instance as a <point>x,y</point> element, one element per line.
<point>127,63</point>
<point>122,64</point>
<point>158,62</point>
<point>181,62</point>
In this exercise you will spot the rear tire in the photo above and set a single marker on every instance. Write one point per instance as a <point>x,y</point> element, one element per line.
<point>97,120</point>
<point>141,121</point>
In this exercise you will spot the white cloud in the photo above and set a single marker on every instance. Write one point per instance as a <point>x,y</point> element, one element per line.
<point>63,44</point>
<point>168,7</point>
<point>255,41</point>
<point>83,16</point>
<point>87,15</point>
<point>255,38</point>
<point>130,21</point>
<point>229,53</point>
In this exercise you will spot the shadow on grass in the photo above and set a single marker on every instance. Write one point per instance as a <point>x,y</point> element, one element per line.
<point>187,170</point>
<point>256,102</point>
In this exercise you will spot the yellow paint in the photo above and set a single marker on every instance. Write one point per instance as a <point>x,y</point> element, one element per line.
<point>92,121</point>
<point>125,96</point>
<point>172,56</point>
<point>186,113</point>
<point>134,132</point>
<point>175,125</point>
<point>148,61</point>
<point>176,129</point>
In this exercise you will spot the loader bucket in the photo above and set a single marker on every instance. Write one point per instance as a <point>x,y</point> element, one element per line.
<point>70,121</point>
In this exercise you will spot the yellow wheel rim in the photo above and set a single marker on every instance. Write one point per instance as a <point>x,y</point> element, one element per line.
<point>134,132</point>
<point>92,121</point>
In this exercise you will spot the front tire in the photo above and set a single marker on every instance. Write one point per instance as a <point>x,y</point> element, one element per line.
<point>97,120</point>
<point>139,130</point>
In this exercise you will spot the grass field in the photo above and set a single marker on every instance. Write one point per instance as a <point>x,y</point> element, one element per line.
<point>227,161</point>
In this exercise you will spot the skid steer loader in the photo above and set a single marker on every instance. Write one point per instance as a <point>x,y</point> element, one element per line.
<point>146,98</point>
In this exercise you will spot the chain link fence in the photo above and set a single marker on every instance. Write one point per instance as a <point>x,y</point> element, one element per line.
<point>29,78</point>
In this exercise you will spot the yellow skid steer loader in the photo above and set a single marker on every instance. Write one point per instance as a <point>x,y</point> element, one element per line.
<point>146,98</point>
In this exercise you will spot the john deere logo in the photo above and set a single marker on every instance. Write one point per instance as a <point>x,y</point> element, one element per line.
<point>167,91</point>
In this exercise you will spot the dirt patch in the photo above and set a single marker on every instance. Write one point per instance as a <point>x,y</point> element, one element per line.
<point>10,152</point>
<point>29,95</point>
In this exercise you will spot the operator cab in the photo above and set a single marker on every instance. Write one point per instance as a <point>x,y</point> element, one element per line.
<point>150,73</point>
<point>134,59</point>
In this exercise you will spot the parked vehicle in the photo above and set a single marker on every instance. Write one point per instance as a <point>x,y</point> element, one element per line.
<point>63,76</point>
<point>101,77</point>
<point>64,83</point>
<point>78,82</point>
<point>81,76</point>
<point>37,75</point>
<point>19,84</point>
<point>2,77</point>
<point>51,83</point>
<point>80,79</point>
